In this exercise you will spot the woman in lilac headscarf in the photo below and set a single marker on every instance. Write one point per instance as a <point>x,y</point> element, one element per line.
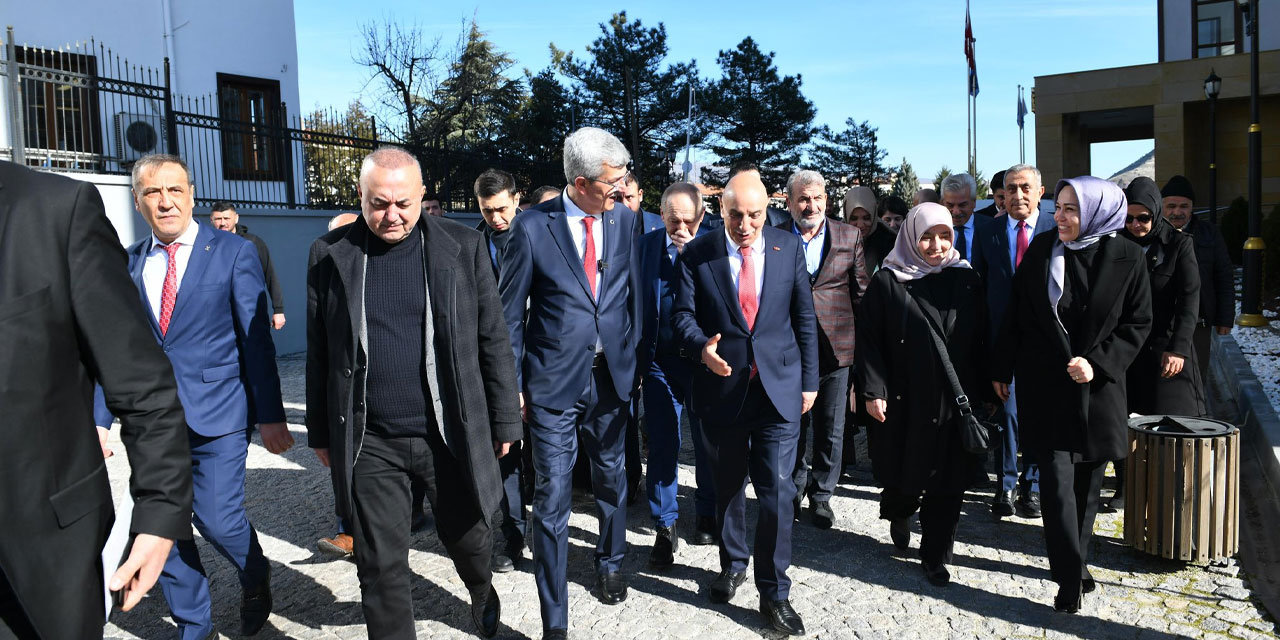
<point>1079,312</point>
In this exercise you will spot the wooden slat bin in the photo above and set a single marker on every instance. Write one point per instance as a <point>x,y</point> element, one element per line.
<point>1182,485</point>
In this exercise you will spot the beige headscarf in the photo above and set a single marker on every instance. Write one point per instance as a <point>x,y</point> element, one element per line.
<point>905,260</point>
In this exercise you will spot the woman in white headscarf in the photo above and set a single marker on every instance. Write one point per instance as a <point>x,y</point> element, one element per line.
<point>916,452</point>
<point>1079,311</point>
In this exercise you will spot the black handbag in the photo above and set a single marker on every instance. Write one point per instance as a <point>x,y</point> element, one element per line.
<point>975,434</point>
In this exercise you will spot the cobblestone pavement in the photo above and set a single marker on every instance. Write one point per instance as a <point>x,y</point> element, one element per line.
<point>849,581</point>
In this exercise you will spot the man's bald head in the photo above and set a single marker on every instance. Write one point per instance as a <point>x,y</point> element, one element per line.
<point>342,220</point>
<point>744,203</point>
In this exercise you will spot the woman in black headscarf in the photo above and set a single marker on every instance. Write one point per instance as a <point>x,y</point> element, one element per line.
<point>916,451</point>
<point>1164,378</point>
<point>1079,311</point>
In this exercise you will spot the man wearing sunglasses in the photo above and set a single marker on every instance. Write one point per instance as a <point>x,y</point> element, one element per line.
<point>571,297</point>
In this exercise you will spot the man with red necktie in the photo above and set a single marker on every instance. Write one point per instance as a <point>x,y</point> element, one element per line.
<point>571,295</point>
<point>208,300</point>
<point>1003,243</point>
<point>745,303</point>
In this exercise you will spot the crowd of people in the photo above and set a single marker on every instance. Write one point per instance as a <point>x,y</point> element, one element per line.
<point>475,369</point>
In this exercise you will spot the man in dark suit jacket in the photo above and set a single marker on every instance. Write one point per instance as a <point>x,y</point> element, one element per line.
<point>409,380</point>
<point>668,377</point>
<point>1217,291</point>
<point>744,302</point>
<point>1003,244</point>
<point>571,295</point>
<point>70,316</point>
<point>632,197</point>
<point>210,314</point>
<point>496,192</point>
<point>224,217</point>
<point>838,277</point>
<point>959,193</point>
<point>996,187</point>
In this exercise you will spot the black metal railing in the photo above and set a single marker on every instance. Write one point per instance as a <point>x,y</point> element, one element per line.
<point>84,108</point>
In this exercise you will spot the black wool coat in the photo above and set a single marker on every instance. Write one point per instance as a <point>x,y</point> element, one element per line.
<point>1055,412</point>
<point>898,362</point>
<point>1175,307</point>
<point>475,367</point>
<point>1217,288</point>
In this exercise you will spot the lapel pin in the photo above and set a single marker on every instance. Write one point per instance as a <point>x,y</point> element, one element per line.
<point>206,247</point>
<point>777,248</point>
<point>610,220</point>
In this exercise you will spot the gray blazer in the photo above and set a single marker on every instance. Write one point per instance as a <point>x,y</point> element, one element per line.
<point>474,384</point>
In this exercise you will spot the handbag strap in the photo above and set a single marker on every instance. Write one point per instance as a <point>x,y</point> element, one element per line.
<point>962,400</point>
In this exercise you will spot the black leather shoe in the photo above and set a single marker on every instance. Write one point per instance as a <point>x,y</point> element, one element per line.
<point>1067,601</point>
<point>820,511</point>
<point>1028,504</point>
<point>1087,584</point>
<point>486,613</point>
<point>937,574</point>
<point>779,615</point>
<point>900,533</point>
<point>706,531</point>
<point>664,547</point>
<point>1002,506</point>
<point>613,587</point>
<point>501,563</point>
<point>725,585</point>
<point>255,607</point>
<point>555,634</point>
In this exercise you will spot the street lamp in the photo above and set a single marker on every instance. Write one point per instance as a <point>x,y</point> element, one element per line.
<point>1212,86</point>
<point>1251,303</point>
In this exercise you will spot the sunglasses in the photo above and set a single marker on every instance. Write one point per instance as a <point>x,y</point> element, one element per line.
<point>1143,218</point>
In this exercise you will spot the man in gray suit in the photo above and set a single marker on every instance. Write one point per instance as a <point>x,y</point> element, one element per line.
<point>410,379</point>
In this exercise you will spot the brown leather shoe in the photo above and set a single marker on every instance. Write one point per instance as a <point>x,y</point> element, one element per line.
<point>339,545</point>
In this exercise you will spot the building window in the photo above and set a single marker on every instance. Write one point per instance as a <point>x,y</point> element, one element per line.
<point>249,109</point>
<point>60,107</point>
<point>1216,28</point>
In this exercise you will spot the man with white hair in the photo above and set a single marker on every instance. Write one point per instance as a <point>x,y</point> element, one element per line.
<point>760,375</point>
<point>410,380</point>
<point>571,295</point>
<point>959,193</point>
<point>838,276</point>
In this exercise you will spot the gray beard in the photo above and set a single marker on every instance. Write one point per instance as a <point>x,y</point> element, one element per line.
<point>809,224</point>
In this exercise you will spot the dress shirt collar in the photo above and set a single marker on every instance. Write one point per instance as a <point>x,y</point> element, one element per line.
<point>1031,221</point>
<point>572,209</point>
<point>733,246</point>
<point>188,237</point>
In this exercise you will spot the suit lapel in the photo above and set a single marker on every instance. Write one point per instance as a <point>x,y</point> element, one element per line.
<point>722,275</point>
<point>442,256</point>
<point>774,270</point>
<point>558,226</point>
<point>201,250</point>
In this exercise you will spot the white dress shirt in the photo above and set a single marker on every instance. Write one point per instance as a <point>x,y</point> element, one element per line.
<point>574,215</point>
<point>757,260</point>
<point>1011,234</point>
<point>156,264</point>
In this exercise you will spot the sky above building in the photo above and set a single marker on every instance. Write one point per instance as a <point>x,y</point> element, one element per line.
<point>898,64</point>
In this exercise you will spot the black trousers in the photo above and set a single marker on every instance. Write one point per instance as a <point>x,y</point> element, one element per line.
<point>380,486</point>
<point>939,517</point>
<point>1069,493</point>
<point>818,468</point>
<point>13,620</point>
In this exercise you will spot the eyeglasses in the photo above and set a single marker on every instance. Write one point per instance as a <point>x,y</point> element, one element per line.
<point>1144,218</point>
<point>616,184</point>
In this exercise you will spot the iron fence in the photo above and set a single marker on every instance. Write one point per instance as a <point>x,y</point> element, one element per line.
<point>85,108</point>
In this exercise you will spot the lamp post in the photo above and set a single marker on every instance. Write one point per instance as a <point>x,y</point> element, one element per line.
<point>1212,86</point>
<point>1251,303</point>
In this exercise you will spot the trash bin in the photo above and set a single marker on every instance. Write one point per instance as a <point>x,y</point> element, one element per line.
<point>1183,488</point>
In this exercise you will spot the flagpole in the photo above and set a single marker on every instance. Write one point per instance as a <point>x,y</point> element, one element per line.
<point>973,160</point>
<point>1022,131</point>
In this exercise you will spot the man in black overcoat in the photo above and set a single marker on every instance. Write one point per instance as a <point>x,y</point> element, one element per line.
<point>70,315</point>
<point>410,378</point>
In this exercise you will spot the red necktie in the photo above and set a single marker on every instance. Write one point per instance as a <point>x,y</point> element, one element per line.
<point>1022,243</point>
<point>589,256</point>
<point>747,298</point>
<point>169,293</point>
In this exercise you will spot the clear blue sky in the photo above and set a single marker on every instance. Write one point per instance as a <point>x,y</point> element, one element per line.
<point>897,63</point>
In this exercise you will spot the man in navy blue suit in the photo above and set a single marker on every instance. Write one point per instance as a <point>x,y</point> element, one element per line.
<point>571,296</point>
<point>959,193</point>
<point>632,197</point>
<point>210,313</point>
<point>668,377</point>
<point>1003,244</point>
<point>745,304</point>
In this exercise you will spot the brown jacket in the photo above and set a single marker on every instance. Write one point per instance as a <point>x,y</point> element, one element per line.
<point>837,290</point>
